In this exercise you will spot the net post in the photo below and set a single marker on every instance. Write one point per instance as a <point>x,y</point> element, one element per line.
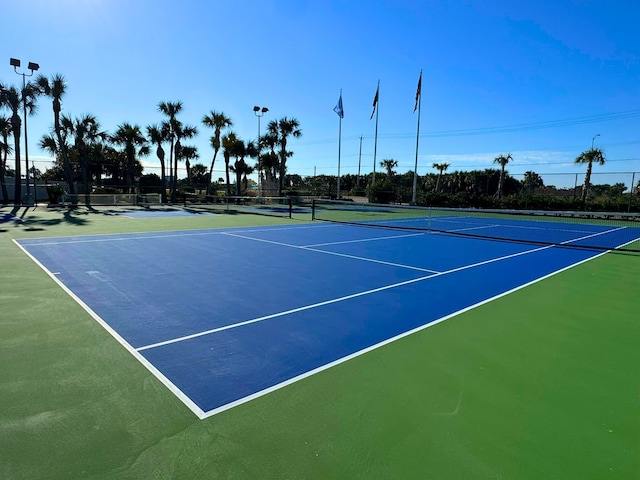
<point>290,203</point>
<point>313,209</point>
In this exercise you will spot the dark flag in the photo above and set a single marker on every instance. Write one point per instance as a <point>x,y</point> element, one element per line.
<point>418,92</point>
<point>375,102</point>
<point>338,108</point>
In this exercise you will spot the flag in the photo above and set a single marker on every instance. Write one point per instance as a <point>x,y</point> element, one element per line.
<point>418,92</point>
<point>375,102</point>
<point>338,108</point>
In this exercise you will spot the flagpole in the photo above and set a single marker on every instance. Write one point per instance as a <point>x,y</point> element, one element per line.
<point>375,141</point>
<point>339,146</point>
<point>415,169</point>
<point>359,162</point>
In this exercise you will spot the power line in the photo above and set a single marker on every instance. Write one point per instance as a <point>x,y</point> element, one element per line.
<point>605,117</point>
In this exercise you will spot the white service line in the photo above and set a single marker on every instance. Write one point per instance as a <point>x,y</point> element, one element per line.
<point>353,355</point>
<point>390,237</point>
<point>592,235</point>
<point>326,252</point>
<point>336,300</point>
<point>120,237</point>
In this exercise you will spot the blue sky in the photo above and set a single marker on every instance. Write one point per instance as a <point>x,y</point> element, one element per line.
<point>536,79</point>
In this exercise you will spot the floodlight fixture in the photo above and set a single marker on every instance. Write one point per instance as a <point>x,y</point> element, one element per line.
<point>259,112</point>
<point>15,63</point>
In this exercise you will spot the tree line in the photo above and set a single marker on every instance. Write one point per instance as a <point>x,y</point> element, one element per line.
<point>92,158</point>
<point>88,156</point>
<point>487,188</point>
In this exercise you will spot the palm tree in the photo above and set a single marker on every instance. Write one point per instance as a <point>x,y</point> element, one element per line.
<point>268,160</point>
<point>86,132</point>
<point>389,164</point>
<point>171,110</point>
<point>157,136</point>
<point>218,121</point>
<point>115,165</point>
<point>241,150</point>
<point>98,152</point>
<point>5,150</point>
<point>441,167</point>
<point>188,153</point>
<point>55,89</point>
<point>588,157</point>
<point>179,132</point>
<point>135,143</point>
<point>228,144</point>
<point>502,160</point>
<point>11,98</point>
<point>284,128</point>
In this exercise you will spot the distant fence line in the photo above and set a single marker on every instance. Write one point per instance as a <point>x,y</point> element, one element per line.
<point>553,184</point>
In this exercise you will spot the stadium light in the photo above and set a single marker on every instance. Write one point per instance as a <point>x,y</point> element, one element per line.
<point>593,139</point>
<point>15,63</point>
<point>259,112</point>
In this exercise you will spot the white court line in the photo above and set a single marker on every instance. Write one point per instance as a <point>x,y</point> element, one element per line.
<point>336,254</point>
<point>202,414</point>
<point>390,237</point>
<point>592,235</point>
<point>336,300</point>
<point>191,405</point>
<point>517,227</point>
<point>351,356</point>
<point>348,297</point>
<point>119,237</point>
<point>471,228</point>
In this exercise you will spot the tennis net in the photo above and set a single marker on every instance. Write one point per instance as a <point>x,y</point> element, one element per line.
<point>114,199</point>
<point>593,230</point>
<point>271,206</point>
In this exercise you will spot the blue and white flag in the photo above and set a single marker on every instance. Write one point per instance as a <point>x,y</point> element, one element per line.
<point>338,108</point>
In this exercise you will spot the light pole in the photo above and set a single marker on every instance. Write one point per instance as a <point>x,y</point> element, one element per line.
<point>259,112</point>
<point>15,63</point>
<point>593,139</point>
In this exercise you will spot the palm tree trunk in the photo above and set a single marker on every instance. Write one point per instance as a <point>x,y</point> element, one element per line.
<point>3,182</point>
<point>176,155</point>
<point>163,182</point>
<point>171,175</point>
<point>213,160</point>
<point>500,183</point>
<point>17,192</point>
<point>238,180</point>
<point>587,182</point>
<point>68,172</point>
<point>283,167</point>
<point>226,161</point>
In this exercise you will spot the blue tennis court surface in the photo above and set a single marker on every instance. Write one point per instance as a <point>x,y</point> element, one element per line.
<point>223,316</point>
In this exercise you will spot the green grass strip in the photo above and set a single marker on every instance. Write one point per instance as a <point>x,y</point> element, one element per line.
<point>542,383</point>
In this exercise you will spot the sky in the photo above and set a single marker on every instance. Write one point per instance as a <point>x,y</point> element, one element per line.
<point>541,80</point>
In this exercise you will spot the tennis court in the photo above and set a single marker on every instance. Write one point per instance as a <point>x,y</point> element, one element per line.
<point>161,320</point>
<point>318,294</point>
